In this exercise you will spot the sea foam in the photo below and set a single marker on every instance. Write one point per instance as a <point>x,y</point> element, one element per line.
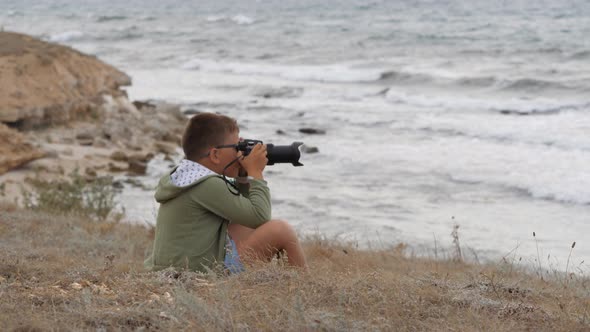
<point>317,73</point>
<point>238,19</point>
<point>67,36</point>
<point>242,20</point>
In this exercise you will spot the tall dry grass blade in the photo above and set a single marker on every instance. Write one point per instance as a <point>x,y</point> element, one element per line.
<point>540,272</point>
<point>568,259</point>
<point>456,245</point>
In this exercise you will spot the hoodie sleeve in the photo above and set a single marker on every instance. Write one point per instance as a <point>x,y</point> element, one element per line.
<point>251,211</point>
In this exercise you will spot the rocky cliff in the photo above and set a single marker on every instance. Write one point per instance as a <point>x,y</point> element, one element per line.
<point>68,109</point>
<point>43,84</point>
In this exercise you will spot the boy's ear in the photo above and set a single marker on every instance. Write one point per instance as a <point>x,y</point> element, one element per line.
<point>214,156</point>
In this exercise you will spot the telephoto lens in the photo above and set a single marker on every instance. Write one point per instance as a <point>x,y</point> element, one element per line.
<point>284,154</point>
<point>276,154</point>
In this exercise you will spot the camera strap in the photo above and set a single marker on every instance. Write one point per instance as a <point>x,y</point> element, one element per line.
<point>228,183</point>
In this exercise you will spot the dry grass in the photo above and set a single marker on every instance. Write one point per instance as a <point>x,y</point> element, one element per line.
<point>60,273</point>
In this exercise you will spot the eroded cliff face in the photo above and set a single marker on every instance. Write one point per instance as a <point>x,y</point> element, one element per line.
<point>68,109</point>
<point>15,150</point>
<point>43,84</point>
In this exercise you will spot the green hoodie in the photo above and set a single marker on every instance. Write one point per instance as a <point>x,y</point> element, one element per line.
<point>191,226</point>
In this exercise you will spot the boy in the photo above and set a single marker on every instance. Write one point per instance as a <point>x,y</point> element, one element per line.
<point>200,222</point>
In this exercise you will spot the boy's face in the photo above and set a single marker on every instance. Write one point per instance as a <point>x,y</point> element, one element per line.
<point>227,155</point>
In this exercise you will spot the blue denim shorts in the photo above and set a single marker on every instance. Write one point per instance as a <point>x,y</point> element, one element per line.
<point>232,259</point>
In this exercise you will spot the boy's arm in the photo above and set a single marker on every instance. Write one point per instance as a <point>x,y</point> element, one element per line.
<point>252,211</point>
<point>243,185</point>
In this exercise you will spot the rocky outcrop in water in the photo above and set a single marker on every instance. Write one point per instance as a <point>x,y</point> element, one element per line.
<point>312,131</point>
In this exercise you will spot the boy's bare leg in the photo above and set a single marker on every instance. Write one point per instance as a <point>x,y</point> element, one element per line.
<point>238,232</point>
<point>266,240</point>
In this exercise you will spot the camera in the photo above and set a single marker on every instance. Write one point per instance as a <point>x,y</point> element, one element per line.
<point>276,154</point>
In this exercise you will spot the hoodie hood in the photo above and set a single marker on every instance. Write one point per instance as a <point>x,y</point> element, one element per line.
<point>182,177</point>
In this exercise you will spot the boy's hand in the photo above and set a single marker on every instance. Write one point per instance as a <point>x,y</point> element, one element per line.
<point>255,162</point>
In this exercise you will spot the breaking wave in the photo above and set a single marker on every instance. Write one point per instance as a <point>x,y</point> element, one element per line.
<point>67,36</point>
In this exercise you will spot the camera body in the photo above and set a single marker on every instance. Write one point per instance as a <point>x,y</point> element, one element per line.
<point>276,154</point>
<point>247,145</point>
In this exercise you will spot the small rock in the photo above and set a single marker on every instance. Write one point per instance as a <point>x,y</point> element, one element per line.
<point>310,149</point>
<point>100,143</point>
<point>191,111</point>
<point>86,142</point>
<point>117,167</point>
<point>383,92</point>
<point>51,153</point>
<point>90,172</point>
<point>143,157</point>
<point>166,148</point>
<point>171,137</point>
<point>312,131</point>
<point>119,156</point>
<point>134,183</point>
<point>2,279</point>
<point>141,104</point>
<point>118,184</point>
<point>68,152</point>
<point>137,167</point>
<point>84,136</point>
<point>280,92</point>
<point>280,132</point>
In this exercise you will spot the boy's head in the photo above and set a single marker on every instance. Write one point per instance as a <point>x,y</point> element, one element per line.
<point>204,133</point>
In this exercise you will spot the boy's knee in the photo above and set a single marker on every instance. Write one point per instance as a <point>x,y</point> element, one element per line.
<point>282,227</point>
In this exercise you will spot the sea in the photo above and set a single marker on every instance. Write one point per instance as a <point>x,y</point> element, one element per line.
<point>436,114</point>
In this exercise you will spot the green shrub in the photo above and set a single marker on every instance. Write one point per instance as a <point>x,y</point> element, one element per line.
<point>74,195</point>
